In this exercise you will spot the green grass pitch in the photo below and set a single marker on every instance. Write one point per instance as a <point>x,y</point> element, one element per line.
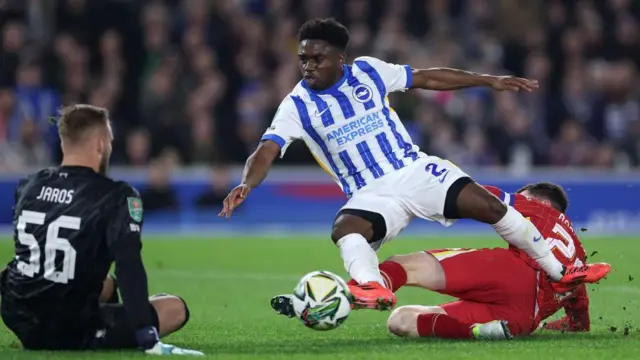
<point>228,284</point>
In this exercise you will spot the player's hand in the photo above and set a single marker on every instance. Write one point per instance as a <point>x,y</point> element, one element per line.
<point>234,199</point>
<point>563,324</point>
<point>557,325</point>
<point>512,83</point>
<point>166,349</point>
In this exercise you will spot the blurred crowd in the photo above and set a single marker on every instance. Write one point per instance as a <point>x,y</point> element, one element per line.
<point>197,81</point>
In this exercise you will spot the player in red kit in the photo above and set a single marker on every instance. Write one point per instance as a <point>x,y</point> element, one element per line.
<point>501,292</point>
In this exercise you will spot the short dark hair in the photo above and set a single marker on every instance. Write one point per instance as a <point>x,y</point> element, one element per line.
<point>329,30</point>
<point>75,120</point>
<point>548,191</point>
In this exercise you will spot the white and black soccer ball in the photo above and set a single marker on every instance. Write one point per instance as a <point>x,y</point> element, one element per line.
<point>322,300</point>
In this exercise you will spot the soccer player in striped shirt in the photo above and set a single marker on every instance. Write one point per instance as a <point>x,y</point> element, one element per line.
<point>342,114</point>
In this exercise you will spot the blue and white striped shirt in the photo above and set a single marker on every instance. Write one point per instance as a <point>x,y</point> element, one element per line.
<point>350,128</point>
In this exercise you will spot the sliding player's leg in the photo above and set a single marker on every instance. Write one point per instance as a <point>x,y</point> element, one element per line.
<point>170,314</point>
<point>444,322</point>
<point>419,269</point>
<point>493,284</point>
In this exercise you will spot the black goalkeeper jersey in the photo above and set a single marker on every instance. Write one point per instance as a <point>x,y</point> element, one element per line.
<point>70,225</point>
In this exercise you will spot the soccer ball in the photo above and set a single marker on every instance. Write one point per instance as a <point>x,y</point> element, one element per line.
<point>322,300</point>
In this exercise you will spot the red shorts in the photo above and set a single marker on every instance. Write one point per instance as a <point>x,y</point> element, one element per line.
<point>491,284</point>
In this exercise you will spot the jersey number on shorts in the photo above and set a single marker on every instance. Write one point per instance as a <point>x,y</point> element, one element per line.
<point>433,169</point>
<point>564,244</point>
<point>53,243</point>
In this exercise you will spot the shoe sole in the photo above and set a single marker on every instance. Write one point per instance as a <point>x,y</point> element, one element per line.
<point>282,310</point>
<point>584,278</point>
<point>381,304</point>
<point>604,275</point>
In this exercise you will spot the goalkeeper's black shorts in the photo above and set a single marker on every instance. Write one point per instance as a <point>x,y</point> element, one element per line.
<point>107,328</point>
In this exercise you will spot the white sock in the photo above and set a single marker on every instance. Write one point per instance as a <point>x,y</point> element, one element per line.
<point>521,233</point>
<point>360,260</point>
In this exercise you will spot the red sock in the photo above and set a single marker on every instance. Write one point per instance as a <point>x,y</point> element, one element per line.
<point>393,274</point>
<point>442,326</point>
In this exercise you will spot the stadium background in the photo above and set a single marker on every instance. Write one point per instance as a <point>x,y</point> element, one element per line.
<point>191,86</point>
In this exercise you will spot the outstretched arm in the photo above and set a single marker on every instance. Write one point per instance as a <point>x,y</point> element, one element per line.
<point>284,129</point>
<point>402,77</point>
<point>259,163</point>
<point>255,171</point>
<point>443,79</point>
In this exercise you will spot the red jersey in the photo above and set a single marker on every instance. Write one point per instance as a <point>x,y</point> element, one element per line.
<point>558,232</point>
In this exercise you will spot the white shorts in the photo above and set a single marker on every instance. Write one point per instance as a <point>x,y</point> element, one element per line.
<point>417,190</point>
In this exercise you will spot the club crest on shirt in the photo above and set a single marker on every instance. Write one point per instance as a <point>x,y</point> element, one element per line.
<point>362,93</point>
<point>135,208</point>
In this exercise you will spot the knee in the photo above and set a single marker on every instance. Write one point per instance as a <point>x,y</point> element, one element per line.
<point>475,202</point>
<point>173,312</point>
<point>400,259</point>
<point>421,269</point>
<point>347,224</point>
<point>340,228</point>
<point>337,233</point>
<point>403,322</point>
<point>407,262</point>
<point>176,309</point>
